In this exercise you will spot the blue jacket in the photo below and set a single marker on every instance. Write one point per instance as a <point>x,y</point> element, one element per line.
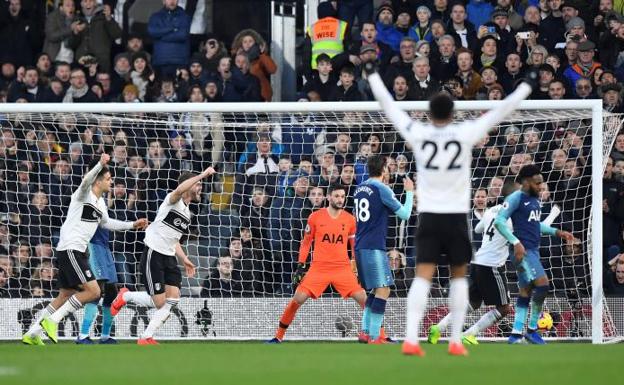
<point>170,31</point>
<point>415,32</point>
<point>389,35</point>
<point>479,12</point>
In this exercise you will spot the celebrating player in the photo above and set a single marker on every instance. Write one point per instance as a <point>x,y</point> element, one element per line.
<point>87,210</point>
<point>374,201</point>
<point>524,209</point>
<point>488,283</point>
<point>443,151</point>
<point>331,229</point>
<point>159,269</point>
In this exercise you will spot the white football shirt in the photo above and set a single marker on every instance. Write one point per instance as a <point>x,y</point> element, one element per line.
<point>494,249</point>
<point>172,221</point>
<point>85,213</point>
<point>444,154</point>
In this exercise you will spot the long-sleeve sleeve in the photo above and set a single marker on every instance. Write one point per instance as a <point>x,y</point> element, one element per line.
<point>404,210</point>
<point>407,127</point>
<point>480,227</point>
<point>547,230</point>
<point>511,204</point>
<point>115,224</point>
<point>484,124</point>
<point>306,243</point>
<point>88,180</point>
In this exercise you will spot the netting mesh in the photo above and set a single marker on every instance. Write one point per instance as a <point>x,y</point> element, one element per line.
<point>273,170</point>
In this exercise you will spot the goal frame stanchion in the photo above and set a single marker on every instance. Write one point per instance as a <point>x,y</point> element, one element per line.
<point>595,105</point>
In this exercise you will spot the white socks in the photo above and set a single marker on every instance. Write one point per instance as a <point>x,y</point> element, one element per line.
<point>416,307</point>
<point>159,317</point>
<point>35,328</point>
<point>139,298</point>
<point>70,306</point>
<point>444,322</point>
<point>487,320</point>
<point>458,304</point>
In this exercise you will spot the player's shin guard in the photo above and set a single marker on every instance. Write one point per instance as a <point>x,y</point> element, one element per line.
<point>286,319</point>
<point>416,306</point>
<point>367,313</point>
<point>486,320</point>
<point>90,313</point>
<point>377,310</point>
<point>537,303</point>
<point>522,308</point>
<point>35,329</point>
<point>70,306</point>
<point>458,301</point>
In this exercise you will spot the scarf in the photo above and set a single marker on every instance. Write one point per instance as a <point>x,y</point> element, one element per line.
<point>74,93</point>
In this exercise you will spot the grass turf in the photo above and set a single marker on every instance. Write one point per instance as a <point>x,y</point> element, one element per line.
<point>299,363</point>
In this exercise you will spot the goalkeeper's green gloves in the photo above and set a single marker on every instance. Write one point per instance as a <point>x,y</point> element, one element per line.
<point>302,269</point>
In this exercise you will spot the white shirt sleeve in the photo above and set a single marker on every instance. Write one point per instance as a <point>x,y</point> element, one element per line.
<point>87,181</point>
<point>410,130</point>
<point>480,127</point>
<point>115,224</point>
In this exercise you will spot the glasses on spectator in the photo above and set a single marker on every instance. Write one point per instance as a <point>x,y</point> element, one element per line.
<point>583,87</point>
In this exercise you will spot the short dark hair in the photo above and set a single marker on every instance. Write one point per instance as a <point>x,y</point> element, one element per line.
<point>441,106</point>
<point>528,171</point>
<point>376,164</point>
<point>184,176</point>
<point>335,187</point>
<point>508,188</point>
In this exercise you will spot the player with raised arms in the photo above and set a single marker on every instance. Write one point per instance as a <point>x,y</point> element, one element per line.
<point>160,273</point>
<point>332,230</point>
<point>443,153</point>
<point>488,282</point>
<point>87,210</point>
<point>374,202</point>
<point>524,209</point>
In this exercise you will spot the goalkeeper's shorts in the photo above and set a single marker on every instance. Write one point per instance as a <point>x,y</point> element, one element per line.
<point>373,268</point>
<point>533,269</point>
<point>102,263</point>
<point>317,279</point>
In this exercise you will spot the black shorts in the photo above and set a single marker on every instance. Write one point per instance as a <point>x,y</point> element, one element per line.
<point>443,234</point>
<point>158,270</point>
<point>74,269</point>
<point>489,285</point>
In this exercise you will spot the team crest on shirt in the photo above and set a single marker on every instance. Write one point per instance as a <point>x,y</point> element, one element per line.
<point>88,273</point>
<point>157,286</point>
<point>505,205</point>
<point>307,229</point>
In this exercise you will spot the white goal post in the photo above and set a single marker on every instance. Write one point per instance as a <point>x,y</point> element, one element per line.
<point>530,113</point>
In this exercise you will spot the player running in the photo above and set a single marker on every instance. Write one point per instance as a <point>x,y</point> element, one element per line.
<point>160,273</point>
<point>488,283</point>
<point>87,210</point>
<point>332,230</point>
<point>443,153</point>
<point>524,209</point>
<point>374,202</point>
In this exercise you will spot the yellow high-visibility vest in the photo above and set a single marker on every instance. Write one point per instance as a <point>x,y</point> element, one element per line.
<point>327,36</point>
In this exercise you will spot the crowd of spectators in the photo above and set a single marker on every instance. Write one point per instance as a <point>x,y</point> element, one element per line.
<point>274,168</point>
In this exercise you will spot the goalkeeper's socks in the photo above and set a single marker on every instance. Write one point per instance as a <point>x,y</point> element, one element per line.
<point>378,308</point>
<point>90,312</point>
<point>522,308</point>
<point>287,317</point>
<point>367,313</point>
<point>70,306</point>
<point>537,303</point>
<point>35,329</point>
<point>159,317</point>
<point>139,298</point>
<point>107,322</point>
<point>458,304</point>
<point>416,307</point>
<point>486,320</point>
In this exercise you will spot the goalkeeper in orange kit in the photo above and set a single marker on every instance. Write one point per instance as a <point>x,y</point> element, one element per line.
<point>332,230</point>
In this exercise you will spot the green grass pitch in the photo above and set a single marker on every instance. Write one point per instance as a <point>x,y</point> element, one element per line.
<point>299,363</point>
